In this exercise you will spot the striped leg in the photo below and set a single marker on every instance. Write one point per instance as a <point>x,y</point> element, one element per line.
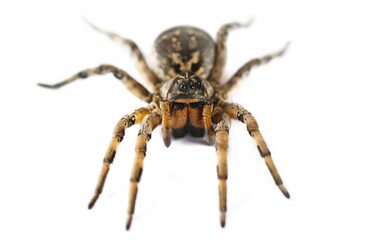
<point>207,121</point>
<point>235,111</point>
<point>233,82</point>
<point>166,122</point>
<point>221,144</point>
<point>221,49</point>
<point>126,122</point>
<point>142,66</point>
<point>132,85</point>
<point>147,126</point>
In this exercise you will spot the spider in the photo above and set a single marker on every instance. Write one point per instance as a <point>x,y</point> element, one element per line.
<point>188,97</point>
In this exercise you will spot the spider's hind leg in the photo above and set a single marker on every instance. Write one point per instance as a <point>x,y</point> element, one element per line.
<point>235,111</point>
<point>221,49</point>
<point>141,64</point>
<point>231,84</point>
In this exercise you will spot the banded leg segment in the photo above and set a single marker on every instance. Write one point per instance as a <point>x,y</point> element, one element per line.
<point>207,122</point>
<point>221,49</point>
<point>119,132</point>
<point>221,144</point>
<point>235,111</point>
<point>166,122</point>
<point>228,87</point>
<point>132,85</point>
<point>141,64</point>
<point>148,124</point>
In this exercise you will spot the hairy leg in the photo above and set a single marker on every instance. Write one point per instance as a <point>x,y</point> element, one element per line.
<point>221,49</point>
<point>228,87</point>
<point>141,64</point>
<point>119,132</point>
<point>132,85</point>
<point>148,124</point>
<point>235,111</point>
<point>221,144</point>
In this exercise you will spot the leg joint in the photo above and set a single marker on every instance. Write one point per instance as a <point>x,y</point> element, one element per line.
<point>110,157</point>
<point>264,152</point>
<point>82,74</point>
<point>136,177</point>
<point>118,74</point>
<point>222,171</point>
<point>100,69</point>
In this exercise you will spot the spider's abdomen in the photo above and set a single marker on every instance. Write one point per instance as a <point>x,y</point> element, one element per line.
<point>183,49</point>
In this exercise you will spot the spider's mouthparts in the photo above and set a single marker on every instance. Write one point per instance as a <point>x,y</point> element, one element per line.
<point>192,97</point>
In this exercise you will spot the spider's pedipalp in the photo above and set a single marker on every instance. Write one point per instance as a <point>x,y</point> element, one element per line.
<point>141,64</point>
<point>132,85</point>
<point>119,132</point>
<point>221,144</point>
<point>232,83</point>
<point>166,122</point>
<point>207,120</point>
<point>235,111</point>
<point>148,124</point>
<point>221,49</point>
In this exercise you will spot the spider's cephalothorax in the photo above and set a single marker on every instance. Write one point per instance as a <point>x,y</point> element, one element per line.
<point>188,97</point>
<point>184,99</point>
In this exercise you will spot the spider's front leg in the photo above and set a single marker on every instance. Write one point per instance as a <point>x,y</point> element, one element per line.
<point>221,143</point>
<point>119,132</point>
<point>235,111</point>
<point>148,124</point>
<point>132,85</point>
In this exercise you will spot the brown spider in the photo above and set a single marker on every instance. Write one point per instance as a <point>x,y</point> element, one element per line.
<point>187,98</point>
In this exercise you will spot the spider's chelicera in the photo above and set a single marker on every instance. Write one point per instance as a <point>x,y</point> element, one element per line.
<point>187,97</point>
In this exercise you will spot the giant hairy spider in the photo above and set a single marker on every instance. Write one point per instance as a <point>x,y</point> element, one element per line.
<point>188,97</point>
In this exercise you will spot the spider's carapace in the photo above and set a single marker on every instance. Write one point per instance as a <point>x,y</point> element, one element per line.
<point>187,97</point>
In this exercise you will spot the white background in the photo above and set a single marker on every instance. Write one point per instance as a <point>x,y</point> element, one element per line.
<point>314,107</point>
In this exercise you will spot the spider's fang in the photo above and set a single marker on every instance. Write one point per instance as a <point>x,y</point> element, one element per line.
<point>167,141</point>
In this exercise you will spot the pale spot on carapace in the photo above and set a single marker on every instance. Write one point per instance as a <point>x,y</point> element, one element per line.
<point>185,66</point>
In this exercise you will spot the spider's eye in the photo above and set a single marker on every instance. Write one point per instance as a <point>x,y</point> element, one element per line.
<point>183,87</point>
<point>197,85</point>
<point>188,87</point>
